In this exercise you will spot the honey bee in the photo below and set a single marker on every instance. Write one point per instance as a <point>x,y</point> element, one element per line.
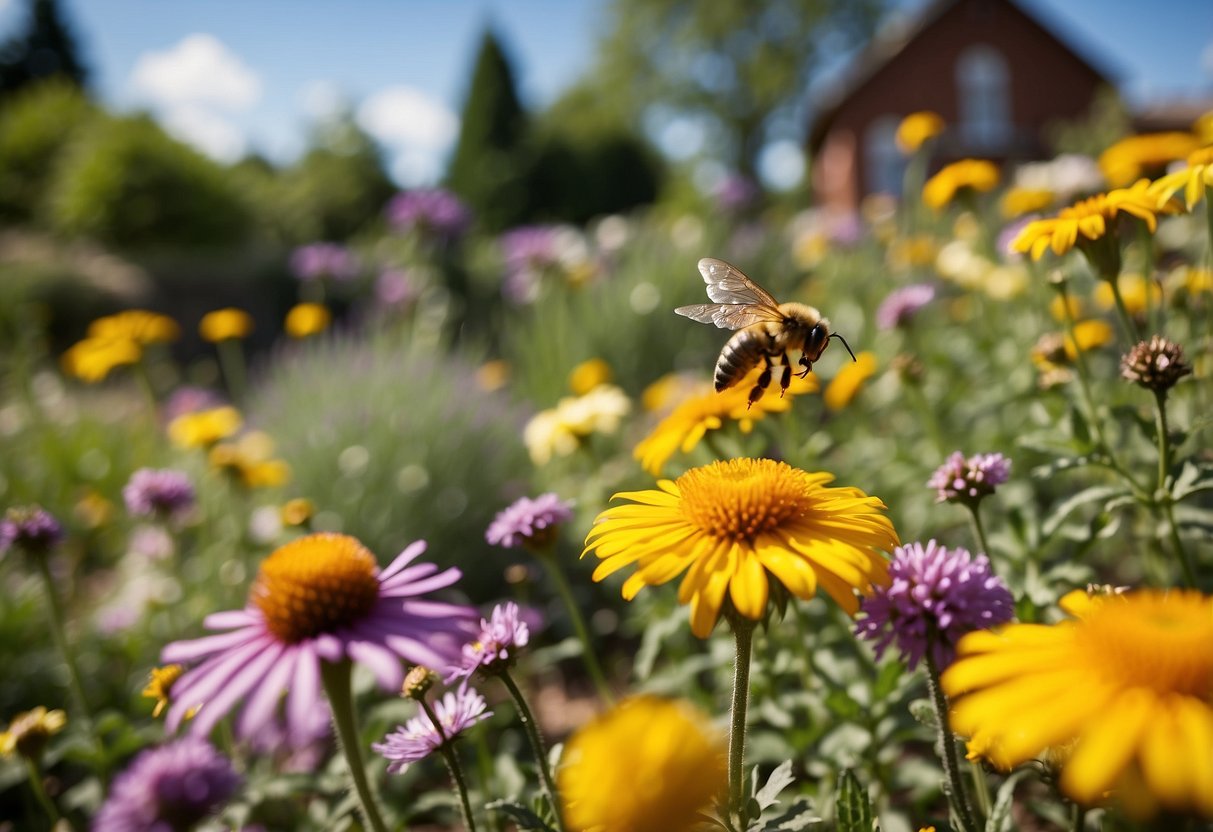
<point>766,329</point>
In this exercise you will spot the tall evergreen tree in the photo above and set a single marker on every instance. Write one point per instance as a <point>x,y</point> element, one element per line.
<point>45,49</point>
<point>491,163</point>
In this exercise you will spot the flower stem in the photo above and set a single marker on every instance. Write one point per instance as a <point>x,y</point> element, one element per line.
<point>588,656</point>
<point>951,762</point>
<point>1126,320</point>
<point>979,532</point>
<point>336,679</point>
<point>743,637</point>
<point>537,747</point>
<point>452,765</point>
<point>44,800</point>
<point>149,392</point>
<point>231,361</point>
<point>59,634</point>
<point>1162,495</point>
<point>1080,818</point>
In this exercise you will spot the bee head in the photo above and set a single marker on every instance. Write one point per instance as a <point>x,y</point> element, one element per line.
<point>817,339</point>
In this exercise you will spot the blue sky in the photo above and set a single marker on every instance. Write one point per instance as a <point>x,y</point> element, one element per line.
<point>233,75</point>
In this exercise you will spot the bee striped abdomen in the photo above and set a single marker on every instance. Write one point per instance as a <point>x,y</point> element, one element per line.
<point>740,354</point>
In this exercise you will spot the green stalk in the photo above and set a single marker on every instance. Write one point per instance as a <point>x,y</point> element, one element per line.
<point>1162,494</point>
<point>59,635</point>
<point>588,656</point>
<point>44,799</point>
<point>1209,216</point>
<point>531,729</point>
<point>1080,818</point>
<point>231,362</point>
<point>1122,311</point>
<point>743,637</point>
<point>336,679</point>
<point>452,764</point>
<point>951,762</point>
<point>149,392</point>
<point>979,532</point>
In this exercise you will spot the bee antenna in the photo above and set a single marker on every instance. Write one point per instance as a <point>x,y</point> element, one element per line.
<point>844,343</point>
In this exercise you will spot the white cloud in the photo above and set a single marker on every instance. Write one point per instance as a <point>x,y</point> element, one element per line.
<point>321,100</point>
<point>212,133</point>
<point>198,70</point>
<point>416,129</point>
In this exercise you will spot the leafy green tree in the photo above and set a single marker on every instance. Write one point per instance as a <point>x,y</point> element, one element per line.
<point>492,161</point>
<point>45,49</point>
<point>741,68</point>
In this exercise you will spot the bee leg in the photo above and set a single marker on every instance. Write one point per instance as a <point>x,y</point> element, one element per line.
<point>808,366</point>
<point>785,378</point>
<point>764,381</point>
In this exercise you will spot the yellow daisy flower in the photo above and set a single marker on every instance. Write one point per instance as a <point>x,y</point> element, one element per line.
<point>647,765</point>
<point>1089,220</point>
<point>733,526</point>
<point>589,374</point>
<point>1126,687</point>
<point>160,685</point>
<point>249,461</point>
<point>845,386</point>
<point>974,174</point>
<point>223,324</point>
<point>307,319</point>
<point>560,430</point>
<point>92,359</point>
<point>493,375</point>
<point>707,410</point>
<point>1019,201</point>
<point>1136,156</point>
<point>1088,335</point>
<point>917,129</point>
<point>28,732</point>
<point>1192,180</point>
<point>297,512</point>
<point>204,428</point>
<point>138,325</point>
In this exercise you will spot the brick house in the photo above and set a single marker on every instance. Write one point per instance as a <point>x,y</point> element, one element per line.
<point>994,72</point>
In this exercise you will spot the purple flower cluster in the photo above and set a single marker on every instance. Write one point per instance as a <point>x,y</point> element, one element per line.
<point>320,260</point>
<point>496,646</point>
<point>189,399</point>
<point>900,306</point>
<point>429,211</point>
<point>530,247</point>
<point>394,287</point>
<point>163,493</point>
<point>418,738</point>
<point>735,193</point>
<point>169,788</point>
<point>936,596</point>
<point>31,528</point>
<point>968,480</point>
<point>528,521</point>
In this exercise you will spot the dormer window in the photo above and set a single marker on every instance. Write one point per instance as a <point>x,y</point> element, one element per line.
<point>983,85</point>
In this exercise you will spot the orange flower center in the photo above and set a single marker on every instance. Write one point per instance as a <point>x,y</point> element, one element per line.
<point>1156,641</point>
<point>315,585</point>
<point>741,498</point>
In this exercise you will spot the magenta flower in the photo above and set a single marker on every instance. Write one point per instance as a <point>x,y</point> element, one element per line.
<point>419,738</point>
<point>168,789</point>
<point>496,647</point>
<point>969,480</point>
<point>529,522</point>
<point>935,597</point>
<point>318,598</point>
<point>324,260</point>
<point>901,305</point>
<point>31,528</point>
<point>162,493</point>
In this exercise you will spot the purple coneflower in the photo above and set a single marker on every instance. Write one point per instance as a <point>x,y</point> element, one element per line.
<point>169,788</point>
<point>969,480</point>
<point>433,211</point>
<point>900,306</point>
<point>31,528</point>
<point>528,522</point>
<point>496,647</point>
<point>319,598</point>
<point>163,493</point>
<point>419,738</point>
<point>935,597</point>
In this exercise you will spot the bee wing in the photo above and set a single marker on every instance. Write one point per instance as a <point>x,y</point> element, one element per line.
<point>730,315</point>
<point>727,284</point>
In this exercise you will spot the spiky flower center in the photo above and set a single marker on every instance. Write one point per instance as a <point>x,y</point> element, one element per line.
<point>741,498</point>
<point>314,585</point>
<point>1155,641</point>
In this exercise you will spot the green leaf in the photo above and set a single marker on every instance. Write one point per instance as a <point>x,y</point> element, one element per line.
<point>1193,477</point>
<point>519,814</point>
<point>779,780</point>
<point>1095,494</point>
<point>798,816</point>
<point>853,809</point>
<point>1000,815</point>
<point>1080,429</point>
<point>1065,463</point>
<point>887,678</point>
<point>924,713</point>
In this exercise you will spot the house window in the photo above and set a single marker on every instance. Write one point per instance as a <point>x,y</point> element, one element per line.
<point>884,163</point>
<point>984,86</point>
